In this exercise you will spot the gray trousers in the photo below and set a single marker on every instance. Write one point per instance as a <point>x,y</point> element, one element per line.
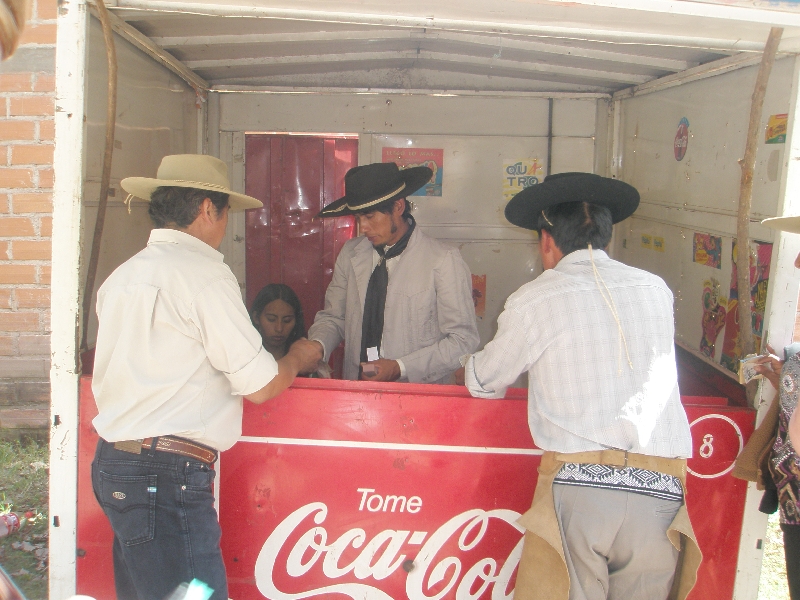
<point>615,543</point>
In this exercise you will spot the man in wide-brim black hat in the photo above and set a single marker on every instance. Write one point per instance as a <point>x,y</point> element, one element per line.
<point>400,300</point>
<point>595,337</point>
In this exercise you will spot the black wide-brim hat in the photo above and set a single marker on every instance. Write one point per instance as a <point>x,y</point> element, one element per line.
<point>620,198</point>
<point>367,186</point>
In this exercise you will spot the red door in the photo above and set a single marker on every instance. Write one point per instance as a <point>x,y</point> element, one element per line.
<point>295,176</point>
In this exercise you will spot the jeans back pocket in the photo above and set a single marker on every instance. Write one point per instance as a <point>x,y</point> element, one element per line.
<point>129,502</point>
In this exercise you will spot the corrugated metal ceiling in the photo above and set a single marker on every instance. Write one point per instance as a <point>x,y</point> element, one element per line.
<point>593,46</point>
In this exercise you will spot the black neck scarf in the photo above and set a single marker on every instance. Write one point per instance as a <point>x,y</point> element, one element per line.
<point>375,302</point>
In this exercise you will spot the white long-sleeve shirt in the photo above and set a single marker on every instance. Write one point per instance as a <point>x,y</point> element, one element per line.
<point>176,349</point>
<point>582,393</point>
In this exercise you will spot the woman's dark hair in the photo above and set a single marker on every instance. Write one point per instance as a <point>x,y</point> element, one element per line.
<point>279,291</point>
<point>575,225</point>
<point>180,205</point>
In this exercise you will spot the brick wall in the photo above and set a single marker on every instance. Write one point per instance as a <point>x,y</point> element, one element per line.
<point>27,86</point>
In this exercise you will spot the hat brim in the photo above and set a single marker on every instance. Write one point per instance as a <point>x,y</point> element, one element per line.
<point>413,177</point>
<point>143,187</point>
<point>620,198</point>
<point>788,224</point>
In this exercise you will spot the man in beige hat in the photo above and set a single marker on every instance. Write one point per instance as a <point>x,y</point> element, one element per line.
<point>176,352</point>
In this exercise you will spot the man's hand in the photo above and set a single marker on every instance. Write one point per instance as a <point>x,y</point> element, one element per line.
<point>460,376</point>
<point>308,353</point>
<point>385,370</point>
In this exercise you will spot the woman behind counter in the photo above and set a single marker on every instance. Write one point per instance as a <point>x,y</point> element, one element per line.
<point>278,316</point>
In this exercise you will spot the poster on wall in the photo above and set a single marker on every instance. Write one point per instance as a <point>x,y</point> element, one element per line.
<point>479,294</point>
<point>433,158</point>
<point>707,250</point>
<point>519,174</point>
<point>776,129</point>
<point>681,142</point>
<point>760,258</point>
<point>714,312</point>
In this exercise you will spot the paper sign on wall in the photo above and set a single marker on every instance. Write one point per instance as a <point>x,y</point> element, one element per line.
<point>519,174</point>
<point>707,250</point>
<point>647,241</point>
<point>776,129</point>
<point>479,294</point>
<point>433,158</point>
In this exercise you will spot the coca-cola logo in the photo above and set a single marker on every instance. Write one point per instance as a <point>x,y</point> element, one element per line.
<point>438,564</point>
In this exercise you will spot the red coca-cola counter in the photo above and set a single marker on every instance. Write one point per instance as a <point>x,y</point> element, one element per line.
<point>351,489</point>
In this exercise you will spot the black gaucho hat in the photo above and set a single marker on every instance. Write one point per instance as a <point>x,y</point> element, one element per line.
<point>620,198</point>
<point>367,186</point>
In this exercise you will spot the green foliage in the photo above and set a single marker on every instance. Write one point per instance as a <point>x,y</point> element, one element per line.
<point>24,490</point>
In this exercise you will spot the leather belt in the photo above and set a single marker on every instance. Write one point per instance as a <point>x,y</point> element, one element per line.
<point>172,445</point>
<point>621,458</point>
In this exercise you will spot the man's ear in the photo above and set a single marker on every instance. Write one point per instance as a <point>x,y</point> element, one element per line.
<point>399,206</point>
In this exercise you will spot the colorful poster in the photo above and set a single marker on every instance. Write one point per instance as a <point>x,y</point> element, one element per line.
<point>714,312</point>
<point>776,129</point>
<point>479,294</point>
<point>433,158</point>
<point>519,174</point>
<point>707,250</point>
<point>760,258</point>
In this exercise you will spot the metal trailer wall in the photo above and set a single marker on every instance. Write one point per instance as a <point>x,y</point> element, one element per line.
<point>478,135</point>
<point>699,195</point>
<point>156,116</point>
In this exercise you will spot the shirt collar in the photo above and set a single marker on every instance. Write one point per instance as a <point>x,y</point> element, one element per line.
<point>173,236</point>
<point>579,256</point>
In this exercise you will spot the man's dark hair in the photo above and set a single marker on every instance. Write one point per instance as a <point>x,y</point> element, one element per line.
<point>388,207</point>
<point>575,225</point>
<point>180,206</point>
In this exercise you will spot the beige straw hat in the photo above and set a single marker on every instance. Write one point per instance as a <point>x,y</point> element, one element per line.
<point>790,224</point>
<point>197,171</point>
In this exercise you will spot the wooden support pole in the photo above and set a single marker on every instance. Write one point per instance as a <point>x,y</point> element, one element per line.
<point>746,192</point>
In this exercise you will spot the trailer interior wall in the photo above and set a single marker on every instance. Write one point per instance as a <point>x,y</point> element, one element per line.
<point>698,195</point>
<point>156,116</point>
<point>481,138</point>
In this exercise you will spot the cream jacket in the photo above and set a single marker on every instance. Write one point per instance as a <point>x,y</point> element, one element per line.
<point>429,320</point>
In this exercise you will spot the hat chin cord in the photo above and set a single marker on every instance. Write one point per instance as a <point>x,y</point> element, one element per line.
<point>609,299</point>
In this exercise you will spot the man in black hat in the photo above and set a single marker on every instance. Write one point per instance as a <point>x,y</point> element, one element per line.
<point>400,300</point>
<point>595,337</point>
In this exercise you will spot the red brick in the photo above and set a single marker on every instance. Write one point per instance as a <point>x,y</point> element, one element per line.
<point>46,9</point>
<point>44,274</point>
<point>47,130</point>
<point>34,392</point>
<point>16,82</point>
<point>34,345</point>
<point>26,106</point>
<point>44,83</point>
<point>18,130</point>
<point>16,178</point>
<point>3,205</point>
<point>31,250</point>
<point>32,297</point>
<point>46,228</point>
<point>17,273</point>
<point>19,321</point>
<point>44,33</point>
<point>46,178</point>
<point>33,203</point>
<point>7,345</point>
<point>5,297</point>
<point>4,250</point>
<point>16,227</point>
<point>32,154</point>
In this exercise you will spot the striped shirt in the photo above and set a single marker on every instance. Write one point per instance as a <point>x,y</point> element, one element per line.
<point>582,393</point>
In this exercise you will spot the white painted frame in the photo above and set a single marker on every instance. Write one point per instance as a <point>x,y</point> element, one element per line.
<point>68,161</point>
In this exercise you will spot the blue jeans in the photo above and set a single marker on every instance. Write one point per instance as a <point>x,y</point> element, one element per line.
<point>166,532</point>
